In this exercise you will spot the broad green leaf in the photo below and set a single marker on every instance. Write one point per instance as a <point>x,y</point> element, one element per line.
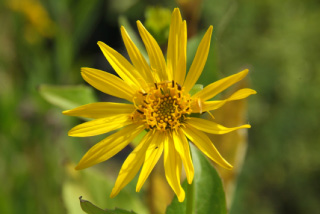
<point>205,195</point>
<point>90,208</point>
<point>67,97</point>
<point>96,187</point>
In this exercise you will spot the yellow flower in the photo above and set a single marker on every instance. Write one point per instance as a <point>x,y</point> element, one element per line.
<point>37,17</point>
<point>160,104</point>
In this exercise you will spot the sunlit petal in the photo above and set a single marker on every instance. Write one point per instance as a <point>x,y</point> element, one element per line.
<point>172,167</point>
<point>174,43</point>
<point>100,110</point>
<point>198,106</point>
<point>100,126</point>
<point>107,83</point>
<point>153,154</point>
<point>212,127</point>
<point>110,146</point>
<point>215,88</point>
<point>182,147</point>
<point>158,64</point>
<point>180,73</point>
<point>199,61</point>
<point>136,57</point>
<point>123,68</point>
<point>205,145</point>
<point>132,164</point>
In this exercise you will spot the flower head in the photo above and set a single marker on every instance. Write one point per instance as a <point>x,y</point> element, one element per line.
<point>160,104</point>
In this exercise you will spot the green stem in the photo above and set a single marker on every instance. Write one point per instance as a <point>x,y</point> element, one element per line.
<point>190,198</point>
<point>190,191</point>
<point>151,193</point>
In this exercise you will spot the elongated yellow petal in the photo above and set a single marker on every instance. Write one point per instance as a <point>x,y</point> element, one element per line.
<point>205,145</point>
<point>215,88</point>
<point>131,165</point>
<point>153,154</point>
<point>238,95</point>
<point>100,110</point>
<point>172,167</point>
<point>107,83</point>
<point>100,126</point>
<point>199,61</point>
<point>136,57</point>
<point>110,146</point>
<point>180,73</point>
<point>123,68</point>
<point>182,146</point>
<point>174,43</point>
<point>241,94</point>
<point>158,64</point>
<point>200,106</point>
<point>212,127</point>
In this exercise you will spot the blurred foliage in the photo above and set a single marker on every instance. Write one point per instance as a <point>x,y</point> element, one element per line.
<point>277,40</point>
<point>67,97</point>
<point>279,43</point>
<point>158,23</point>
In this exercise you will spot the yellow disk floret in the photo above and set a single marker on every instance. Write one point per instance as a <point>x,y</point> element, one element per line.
<point>163,107</point>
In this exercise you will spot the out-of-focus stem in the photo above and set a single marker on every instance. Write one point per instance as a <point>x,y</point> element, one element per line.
<point>190,198</point>
<point>150,194</point>
<point>191,12</point>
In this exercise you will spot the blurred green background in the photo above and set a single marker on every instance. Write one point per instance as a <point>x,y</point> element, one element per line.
<point>46,42</point>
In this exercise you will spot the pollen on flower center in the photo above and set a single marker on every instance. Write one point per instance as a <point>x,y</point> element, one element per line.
<point>164,106</point>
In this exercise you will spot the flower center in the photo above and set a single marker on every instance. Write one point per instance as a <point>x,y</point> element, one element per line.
<point>164,106</point>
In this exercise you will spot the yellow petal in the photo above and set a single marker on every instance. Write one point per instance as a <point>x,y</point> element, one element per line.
<point>182,146</point>
<point>136,57</point>
<point>107,83</point>
<point>199,61</point>
<point>199,106</point>
<point>158,64</point>
<point>180,73</point>
<point>205,145</point>
<point>110,146</point>
<point>174,43</point>
<point>241,94</point>
<point>172,167</point>
<point>101,109</point>
<point>212,127</point>
<point>100,126</point>
<point>131,165</point>
<point>153,154</point>
<point>123,68</point>
<point>215,88</point>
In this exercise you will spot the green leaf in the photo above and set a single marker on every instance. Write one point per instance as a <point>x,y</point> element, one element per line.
<point>67,97</point>
<point>196,88</point>
<point>95,186</point>
<point>138,139</point>
<point>90,208</point>
<point>158,23</point>
<point>205,194</point>
<point>86,14</point>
